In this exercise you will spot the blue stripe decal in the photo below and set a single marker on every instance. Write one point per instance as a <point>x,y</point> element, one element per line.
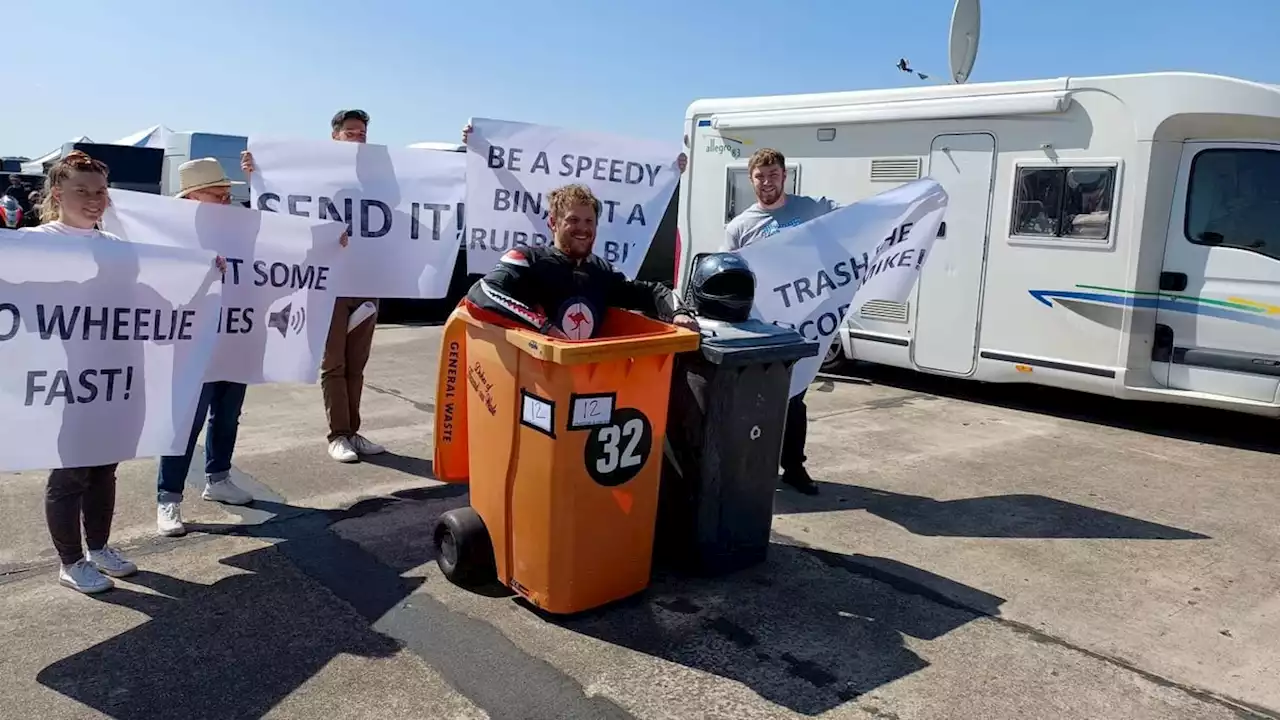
<point>1166,304</point>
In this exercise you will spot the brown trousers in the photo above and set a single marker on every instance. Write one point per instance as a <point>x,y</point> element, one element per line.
<point>76,494</point>
<point>342,368</point>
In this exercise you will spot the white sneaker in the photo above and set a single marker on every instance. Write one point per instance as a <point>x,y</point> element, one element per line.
<point>84,577</point>
<point>169,519</point>
<point>364,446</point>
<point>342,451</point>
<point>110,561</point>
<point>225,491</point>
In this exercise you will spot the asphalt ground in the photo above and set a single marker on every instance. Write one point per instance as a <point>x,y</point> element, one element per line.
<point>975,552</point>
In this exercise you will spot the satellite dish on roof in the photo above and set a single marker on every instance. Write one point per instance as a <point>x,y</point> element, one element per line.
<point>966,20</point>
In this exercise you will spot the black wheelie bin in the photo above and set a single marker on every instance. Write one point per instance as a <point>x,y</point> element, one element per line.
<point>725,422</point>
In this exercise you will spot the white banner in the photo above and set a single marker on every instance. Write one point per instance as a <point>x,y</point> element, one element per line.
<point>810,275</point>
<point>512,167</point>
<point>103,348</point>
<point>278,290</point>
<point>400,206</point>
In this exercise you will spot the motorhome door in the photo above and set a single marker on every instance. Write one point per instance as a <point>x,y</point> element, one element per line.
<point>950,295</point>
<point>1218,315</point>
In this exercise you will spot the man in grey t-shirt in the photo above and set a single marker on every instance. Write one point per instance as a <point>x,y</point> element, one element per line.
<point>774,210</point>
<point>759,221</point>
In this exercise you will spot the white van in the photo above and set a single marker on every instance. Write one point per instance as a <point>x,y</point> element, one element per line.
<point>226,149</point>
<point>1113,235</point>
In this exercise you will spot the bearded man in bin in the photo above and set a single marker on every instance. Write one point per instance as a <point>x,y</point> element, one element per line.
<point>564,290</point>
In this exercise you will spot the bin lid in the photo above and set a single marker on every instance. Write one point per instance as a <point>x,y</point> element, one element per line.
<point>753,341</point>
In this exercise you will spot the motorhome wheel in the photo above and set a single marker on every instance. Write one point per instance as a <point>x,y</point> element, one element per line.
<point>835,358</point>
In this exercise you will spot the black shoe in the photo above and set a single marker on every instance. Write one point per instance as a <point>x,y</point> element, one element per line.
<point>800,481</point>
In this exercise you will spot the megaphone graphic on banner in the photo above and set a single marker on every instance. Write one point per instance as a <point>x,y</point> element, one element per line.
<point>287,321</point>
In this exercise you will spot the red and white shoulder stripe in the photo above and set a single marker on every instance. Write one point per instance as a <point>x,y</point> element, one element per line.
<point>518,258</point>
<point>513,306</point>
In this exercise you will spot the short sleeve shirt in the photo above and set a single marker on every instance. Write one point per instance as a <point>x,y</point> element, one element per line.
<point>60,228</point>
<point>756,223</point>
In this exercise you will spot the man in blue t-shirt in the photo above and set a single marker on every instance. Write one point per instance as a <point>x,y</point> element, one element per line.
<point>774,210</point>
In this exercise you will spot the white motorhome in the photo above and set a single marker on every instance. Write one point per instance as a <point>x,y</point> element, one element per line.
<point>1113,235</point>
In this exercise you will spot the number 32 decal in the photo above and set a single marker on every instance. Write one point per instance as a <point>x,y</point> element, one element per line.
<point>616,452</point>
<point>611,437</point>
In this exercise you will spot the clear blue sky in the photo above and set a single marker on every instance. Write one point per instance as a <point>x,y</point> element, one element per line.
<point>283,67</point>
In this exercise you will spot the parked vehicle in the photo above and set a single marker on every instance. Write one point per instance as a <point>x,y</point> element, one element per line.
<point>1113,235</point>
<point>226,149</point>
<point>139,169</point>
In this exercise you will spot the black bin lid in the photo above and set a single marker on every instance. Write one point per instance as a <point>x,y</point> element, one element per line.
<point>752,342</point>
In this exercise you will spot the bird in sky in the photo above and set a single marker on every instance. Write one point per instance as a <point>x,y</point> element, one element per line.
<point>905,67</point>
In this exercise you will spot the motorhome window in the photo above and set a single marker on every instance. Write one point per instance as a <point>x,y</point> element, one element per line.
<point>1067,202</point>
<point>741,195</point>
<point>1233,200</point>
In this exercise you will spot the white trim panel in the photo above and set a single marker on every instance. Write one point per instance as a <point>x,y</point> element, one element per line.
<point>1040,103</point>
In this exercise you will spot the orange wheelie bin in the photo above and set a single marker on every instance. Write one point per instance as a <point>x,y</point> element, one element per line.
<point>561,443</point>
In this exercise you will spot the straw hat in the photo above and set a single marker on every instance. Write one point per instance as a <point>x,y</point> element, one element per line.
<point>200,174</point>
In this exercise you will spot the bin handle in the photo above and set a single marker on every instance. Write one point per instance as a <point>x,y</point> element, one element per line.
<point>672,339</point>
<point>551,350</point>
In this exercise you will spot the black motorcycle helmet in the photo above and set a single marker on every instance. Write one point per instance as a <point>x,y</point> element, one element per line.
<point>721,287</point>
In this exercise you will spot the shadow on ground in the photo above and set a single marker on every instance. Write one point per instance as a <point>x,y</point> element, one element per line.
<point>1182,422</point>
<point>237,647</point>
<point>407,464</point>
<point>808,630</point>
<point>999,516</point>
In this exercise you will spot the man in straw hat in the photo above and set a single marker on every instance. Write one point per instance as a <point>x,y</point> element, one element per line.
<point>347,349</point>
<point>204,181</point>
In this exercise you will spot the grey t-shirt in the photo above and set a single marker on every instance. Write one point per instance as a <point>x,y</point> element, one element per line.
<point>756,223</point>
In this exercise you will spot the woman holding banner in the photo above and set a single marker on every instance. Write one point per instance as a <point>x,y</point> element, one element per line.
<point>75,197</point>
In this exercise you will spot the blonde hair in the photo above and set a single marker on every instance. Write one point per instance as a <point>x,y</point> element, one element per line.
<point>562,199</point>
<point>75,161</point>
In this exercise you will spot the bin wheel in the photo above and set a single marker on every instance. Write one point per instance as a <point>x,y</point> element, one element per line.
<point>464,552</point>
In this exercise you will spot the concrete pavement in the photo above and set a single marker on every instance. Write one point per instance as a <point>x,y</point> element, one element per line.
<point>976,553</point>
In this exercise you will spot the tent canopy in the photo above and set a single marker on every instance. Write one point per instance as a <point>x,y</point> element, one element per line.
<point>156,136</point>
<point>36,167</point>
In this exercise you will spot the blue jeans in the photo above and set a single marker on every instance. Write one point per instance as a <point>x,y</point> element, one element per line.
<point>222,402</point>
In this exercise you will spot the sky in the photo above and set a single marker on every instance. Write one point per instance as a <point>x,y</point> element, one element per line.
<point>281,68</point>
